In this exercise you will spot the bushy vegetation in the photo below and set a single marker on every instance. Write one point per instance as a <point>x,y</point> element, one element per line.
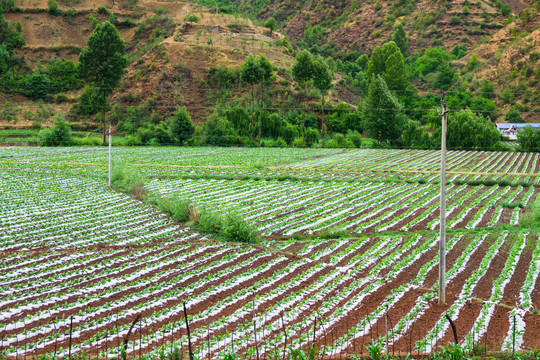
<point>228,226</point>
<point>58,135</point>
<point>529,139</point>
<point>290,107</point>
<point>128,181</point>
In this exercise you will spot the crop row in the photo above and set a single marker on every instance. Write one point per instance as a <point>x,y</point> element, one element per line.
<point>226,287</point>
<point>58,211</point>
<point>360,208</point>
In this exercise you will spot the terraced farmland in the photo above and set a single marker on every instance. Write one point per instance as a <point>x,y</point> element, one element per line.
<point>79,261</point>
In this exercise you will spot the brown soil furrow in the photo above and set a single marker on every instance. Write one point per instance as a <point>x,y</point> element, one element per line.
<point>407,219</point>
<point>99,303</point>
<point>34,277</point>
<point>300,210</point>
<point>156,326</point>
<point>371,228</point>
<point>422,324</point>
<point>532,329</point>
<point>124,252</point>
<point>24,264</point>
<point>497,329</point>
<point>407,302</point>
<point>374,299</point>
<point>512,290</point>
<point>470,215</point>
<point>488,216</point>
<point>332,292</point>
<point>85,335</point>
<point>481,292</point>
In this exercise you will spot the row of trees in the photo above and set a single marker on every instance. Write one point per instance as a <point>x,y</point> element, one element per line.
<point>385,112</point>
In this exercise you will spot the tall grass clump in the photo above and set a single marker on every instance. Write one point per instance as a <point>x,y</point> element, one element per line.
<point>129,182</point>
<point>531,219</point>
<point>229,226</point>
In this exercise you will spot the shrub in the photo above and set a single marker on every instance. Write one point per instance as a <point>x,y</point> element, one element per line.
<point>60,98</point>
<point>58,135</point>
<point>235,228</point>
<point>354,137</point>
<point>88,141</point>
<point>160,10</point>
<point>280,143</point>
<point>312,136</point>
<point>513,116</point>
<point>297,142</point>
<point>131,140</point>
<point>52,7</point>
<point>210,222</point>
<point>180,209</point>
<point>191,18</point>
<point>37,85</point>
<point>334,233</point>
<point>532,218</point>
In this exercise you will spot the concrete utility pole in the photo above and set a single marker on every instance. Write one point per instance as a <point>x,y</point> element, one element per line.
<point>110,155</point>
<point>442,240</point>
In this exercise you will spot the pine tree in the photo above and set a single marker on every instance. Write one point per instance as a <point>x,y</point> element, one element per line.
<point>401,40</point>
<point>376,65</point>
<point>181,125</point>
<point>395,74</point>
<point>383,118</point>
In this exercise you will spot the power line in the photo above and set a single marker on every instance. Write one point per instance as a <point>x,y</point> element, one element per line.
<point>312,109</point>
<point>238,87</point>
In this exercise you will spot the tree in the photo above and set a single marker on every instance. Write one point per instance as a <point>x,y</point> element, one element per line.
<point>181,125</point>
<point>400,38</point>
<point>271,25</point>
<point>395,73</point>
<point>303,72</point>
<point>267,76</point>
<point>102,63</point>
<point>513,116</point>
<point>362,61</point>
<point>383,118</point>
<point>377,63</point>
<point>251,73</point>
<point>529,139</point>
<point>467,130</point>
<point>312,135</point>
<point>322,80</point>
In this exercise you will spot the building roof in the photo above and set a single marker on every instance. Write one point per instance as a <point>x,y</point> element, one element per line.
<point>516,125</point>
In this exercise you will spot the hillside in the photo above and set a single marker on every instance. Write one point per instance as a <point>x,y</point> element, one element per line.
<point>187,54</point>
<point>158,63</point>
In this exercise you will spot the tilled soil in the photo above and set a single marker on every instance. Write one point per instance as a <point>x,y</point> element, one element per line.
<point>327,302</point>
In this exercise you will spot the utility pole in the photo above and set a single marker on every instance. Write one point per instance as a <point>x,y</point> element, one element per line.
<point>442,240</point>
<point>110,155</point>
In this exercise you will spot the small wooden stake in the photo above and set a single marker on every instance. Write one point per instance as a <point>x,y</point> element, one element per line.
<point>188,333</point>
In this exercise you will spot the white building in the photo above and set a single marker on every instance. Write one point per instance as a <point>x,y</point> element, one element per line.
<point>510,130</point>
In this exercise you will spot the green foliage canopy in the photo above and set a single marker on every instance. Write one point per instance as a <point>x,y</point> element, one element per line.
<point>383,118</point>
<point>102,62</point>
<point>181,125</point>
<point>58,135</point>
